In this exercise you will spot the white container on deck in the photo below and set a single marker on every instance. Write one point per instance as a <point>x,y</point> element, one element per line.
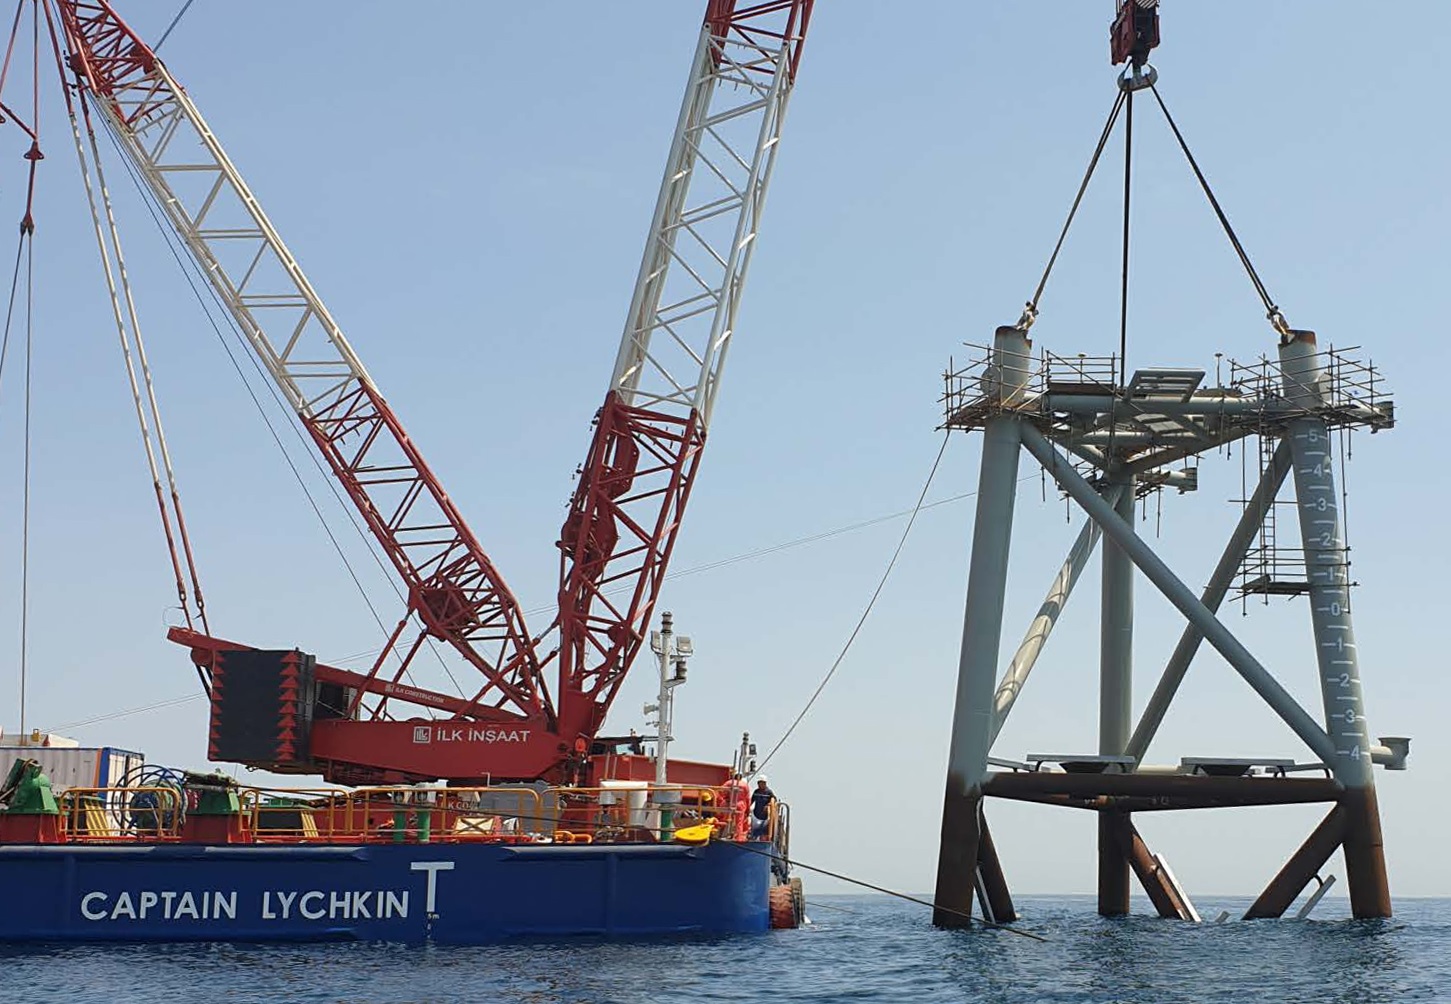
<point>634,795</point>
<point>75,766</point>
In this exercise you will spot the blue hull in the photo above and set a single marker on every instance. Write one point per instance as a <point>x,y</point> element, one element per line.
<point>411,893</point>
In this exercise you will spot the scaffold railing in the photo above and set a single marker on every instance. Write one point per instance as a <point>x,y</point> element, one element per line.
<point>1353,392</point>
<point>973,387</point>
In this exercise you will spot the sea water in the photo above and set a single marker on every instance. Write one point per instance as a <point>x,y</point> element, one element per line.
<point>856,949</point>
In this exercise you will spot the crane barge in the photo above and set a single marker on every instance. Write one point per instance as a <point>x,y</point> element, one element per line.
<point>499,810</point>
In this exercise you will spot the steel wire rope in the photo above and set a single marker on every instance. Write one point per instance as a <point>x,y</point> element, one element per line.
<point>148,200</point>
<point>126,712</point>
<point>20,246</point>
<point>25,503</point>
<point>770,549</point>
<point>172,27</point>
<point>815,537</point>
<point>10,47</point>
<point>242,376</point>
<point>27,241</point>
<point>126,338</point>
<point>1272,311</point>
<point>152,404</point>
<point>1123,310</point>
<point>14,285</point>
<point>1118,103</point>
<point>866,612</point>
<point>994,925</point>
<point>775,855</point>
<point>256,402</point>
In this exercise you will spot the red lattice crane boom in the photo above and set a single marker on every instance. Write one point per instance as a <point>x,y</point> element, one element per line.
<point>649,432</point>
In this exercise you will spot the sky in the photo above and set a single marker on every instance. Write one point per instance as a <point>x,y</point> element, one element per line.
<point>470,193</point>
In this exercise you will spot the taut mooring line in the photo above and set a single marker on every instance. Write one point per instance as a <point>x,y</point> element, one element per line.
<point>892,892</point>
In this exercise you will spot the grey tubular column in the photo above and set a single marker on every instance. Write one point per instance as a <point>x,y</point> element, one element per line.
<point>982,628</point>
<point>1115,700</point>
<point>1178,594</point>
<point>1116,639</point>
<point>1327,569</point>
<point>1214,594</point>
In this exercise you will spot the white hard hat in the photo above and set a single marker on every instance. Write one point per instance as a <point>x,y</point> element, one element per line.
<point>762,779</point>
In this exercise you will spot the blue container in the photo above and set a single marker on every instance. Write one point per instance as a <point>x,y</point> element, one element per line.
<point>410,893</point>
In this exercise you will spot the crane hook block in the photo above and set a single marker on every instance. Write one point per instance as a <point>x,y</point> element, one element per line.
<point>1135,31</point>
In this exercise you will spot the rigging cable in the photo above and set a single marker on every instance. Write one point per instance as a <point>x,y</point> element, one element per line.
<point>10,48</point>
<point>25,504</point>
<point>246,384</point>
<point>25,518</point>
<point>126,338</point>
<point>770,549</point>
<point>14,285</point>
<point>1031,310</point>
<point>892,892</point>
<point>167,235</point>
<point>328,479</point>
<point>186,698</point>
<point>1123,315</point>
<point>174,22</point>
<point>1277,318</point>
<point>881,583</point>
<point>778,854</point>
<point>25,508</point>
<point>150,386</point>
<point>27,244</point>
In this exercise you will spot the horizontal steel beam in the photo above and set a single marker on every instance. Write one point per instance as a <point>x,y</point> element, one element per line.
<point>1105,404</point>
<point>1155,791</point>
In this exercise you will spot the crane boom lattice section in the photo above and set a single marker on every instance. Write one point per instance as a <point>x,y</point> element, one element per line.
<point>649,433</point>
<point>703,234</point>
<point>453,588</point>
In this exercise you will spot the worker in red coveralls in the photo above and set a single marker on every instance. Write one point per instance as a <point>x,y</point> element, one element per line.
<point>738,798</point>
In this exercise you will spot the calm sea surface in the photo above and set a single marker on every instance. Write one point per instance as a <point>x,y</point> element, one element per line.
<point>858,949</point>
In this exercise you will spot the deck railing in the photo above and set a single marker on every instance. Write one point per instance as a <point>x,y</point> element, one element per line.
<point>642,813</point>
<point>109,815</point>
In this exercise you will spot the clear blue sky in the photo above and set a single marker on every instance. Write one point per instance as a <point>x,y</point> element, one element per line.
<point>469,190</point>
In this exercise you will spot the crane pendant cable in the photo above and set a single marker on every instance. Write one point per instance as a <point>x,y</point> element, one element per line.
<point>24,252</point>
